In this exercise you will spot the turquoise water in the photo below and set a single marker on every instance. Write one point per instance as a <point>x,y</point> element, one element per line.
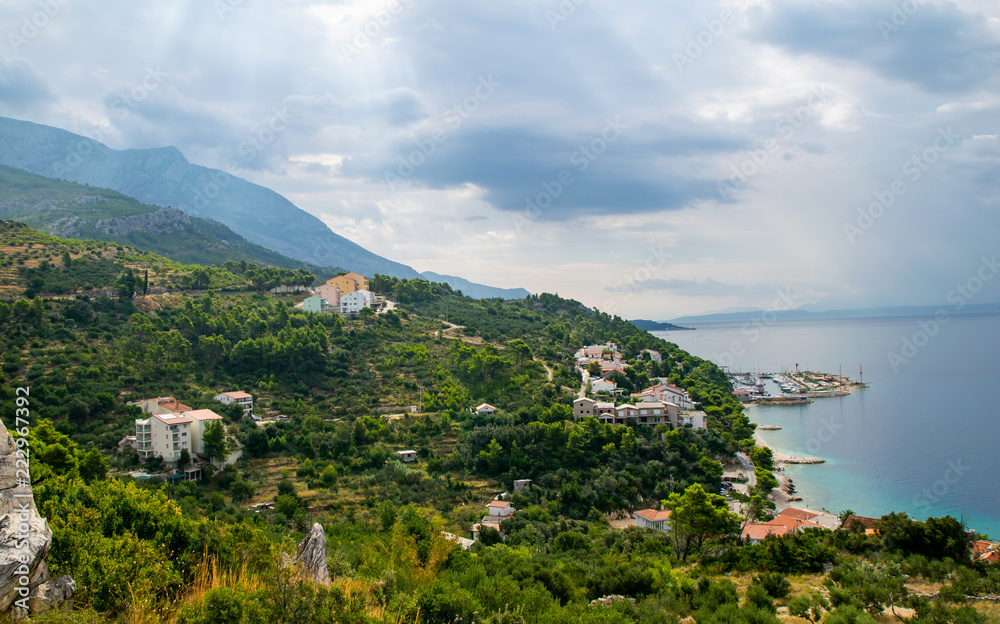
<point>924,438</point>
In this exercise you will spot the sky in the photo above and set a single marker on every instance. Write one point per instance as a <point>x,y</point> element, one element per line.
<point>651,159</point>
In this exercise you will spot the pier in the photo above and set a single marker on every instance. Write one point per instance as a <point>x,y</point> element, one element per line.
<point>796,388</point>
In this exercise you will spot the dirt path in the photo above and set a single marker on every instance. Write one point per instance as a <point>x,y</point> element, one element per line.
<point>547,369</point>
<point>454,331</point>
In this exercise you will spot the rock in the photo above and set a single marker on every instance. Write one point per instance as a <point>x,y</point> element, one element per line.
<point>311,555</point>
<point>54,593</point>
<point>25,538</point>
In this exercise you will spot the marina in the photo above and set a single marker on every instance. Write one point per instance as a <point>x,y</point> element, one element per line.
<point>790,388</point>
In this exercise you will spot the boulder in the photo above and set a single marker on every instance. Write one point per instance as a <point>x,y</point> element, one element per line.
<point>25,538</point>
<point>311,556</point>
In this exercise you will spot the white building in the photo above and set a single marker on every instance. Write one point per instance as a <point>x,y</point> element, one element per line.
<point>407,456</point>
<point>642,413</point>
<point>666,393</point>
<point>486,409</point>
<point>353,302</point>
<point>653,519</point>
<point>501,509</point>
<point>163,435</point>
<point>317,304</point>
<point>242,398</point>
<point>603,385</point>
<point>199,421</point>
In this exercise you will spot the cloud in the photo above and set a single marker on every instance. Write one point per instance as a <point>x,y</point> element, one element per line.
<point>420,74</point>
<point>935,45</point>
<point>698,288</point>
<point>22,88</point>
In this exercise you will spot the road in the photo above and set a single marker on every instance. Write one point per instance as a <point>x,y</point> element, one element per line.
<point>748,470</point>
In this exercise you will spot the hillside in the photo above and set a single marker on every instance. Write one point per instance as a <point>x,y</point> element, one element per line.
<point>70,210</point>
<point>163,177</point>
<point>164,551</point>
<point>32,262</point>
<point>476,291</point>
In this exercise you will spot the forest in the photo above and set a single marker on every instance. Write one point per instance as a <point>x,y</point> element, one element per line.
<point>155,550</point>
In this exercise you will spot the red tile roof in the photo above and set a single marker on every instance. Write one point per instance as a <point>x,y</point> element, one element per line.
<point>653,515</point>
<point>791,523</point>
<point>761,531</point>
<point>801,514</point>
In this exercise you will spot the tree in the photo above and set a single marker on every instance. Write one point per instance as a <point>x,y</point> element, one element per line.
<point>488,536</point>
<point>125,285</point>
<point>809,606</point>
<point>873,586</point>
<point>184,459</point>
<point>594,368</point>
<point>697,516</point>
<point>214,440</point>
<point>241,490</point>
<point>145,283</point>
<point>67,261</point>
<point>93,466</point>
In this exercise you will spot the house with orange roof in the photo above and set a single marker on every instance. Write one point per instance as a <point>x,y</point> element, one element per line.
<point>800,514</point>
<point>239,397</point>
<point>160,405</point>
<point>501,509</point>
<point>793,525</point>
<point>755,533</point>
<point>988,552</point>
<point>653,519</point>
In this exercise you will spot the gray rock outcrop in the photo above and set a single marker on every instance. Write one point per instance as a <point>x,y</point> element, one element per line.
<point>311,555</point>
<point>25,538</point>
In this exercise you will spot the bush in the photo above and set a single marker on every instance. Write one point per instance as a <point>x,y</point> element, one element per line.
<point>774,584</point>
<point>758,597</point>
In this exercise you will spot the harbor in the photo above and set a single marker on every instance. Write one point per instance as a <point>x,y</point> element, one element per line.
<point>791,388</point>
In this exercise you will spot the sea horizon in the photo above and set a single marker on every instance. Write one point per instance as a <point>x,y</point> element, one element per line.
<point>918,440</point>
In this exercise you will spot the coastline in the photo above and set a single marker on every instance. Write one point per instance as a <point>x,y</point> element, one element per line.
<point>784,495</point>
<point>783,458</point>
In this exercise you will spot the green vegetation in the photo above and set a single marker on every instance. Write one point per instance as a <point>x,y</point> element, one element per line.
<point>150,551</point>
<point>106,215</point>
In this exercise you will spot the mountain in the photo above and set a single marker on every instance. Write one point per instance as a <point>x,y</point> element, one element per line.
<point>163,177</point>
<point>980,309</point>
<point>656,325</point>
<point>70,210</point>
<point>476,291</point>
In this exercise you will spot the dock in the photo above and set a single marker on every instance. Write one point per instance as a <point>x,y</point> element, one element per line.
<point>797,388</point>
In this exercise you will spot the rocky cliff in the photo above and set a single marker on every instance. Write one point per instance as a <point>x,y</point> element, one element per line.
<point>25,538</point>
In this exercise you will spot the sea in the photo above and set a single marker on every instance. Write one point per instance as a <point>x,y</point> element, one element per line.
<point>923,438</point>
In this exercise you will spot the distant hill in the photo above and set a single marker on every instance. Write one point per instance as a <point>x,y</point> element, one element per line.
<point>69,210</point>
<point>163,177</point>
<point>984,309</point>
<point>476,291</point>
<point>656,325</point>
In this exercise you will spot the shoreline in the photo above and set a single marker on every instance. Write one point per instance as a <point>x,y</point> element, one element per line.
<point>783,458</point>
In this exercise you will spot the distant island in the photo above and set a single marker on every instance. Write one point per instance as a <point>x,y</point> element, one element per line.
<point>657,325</point>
